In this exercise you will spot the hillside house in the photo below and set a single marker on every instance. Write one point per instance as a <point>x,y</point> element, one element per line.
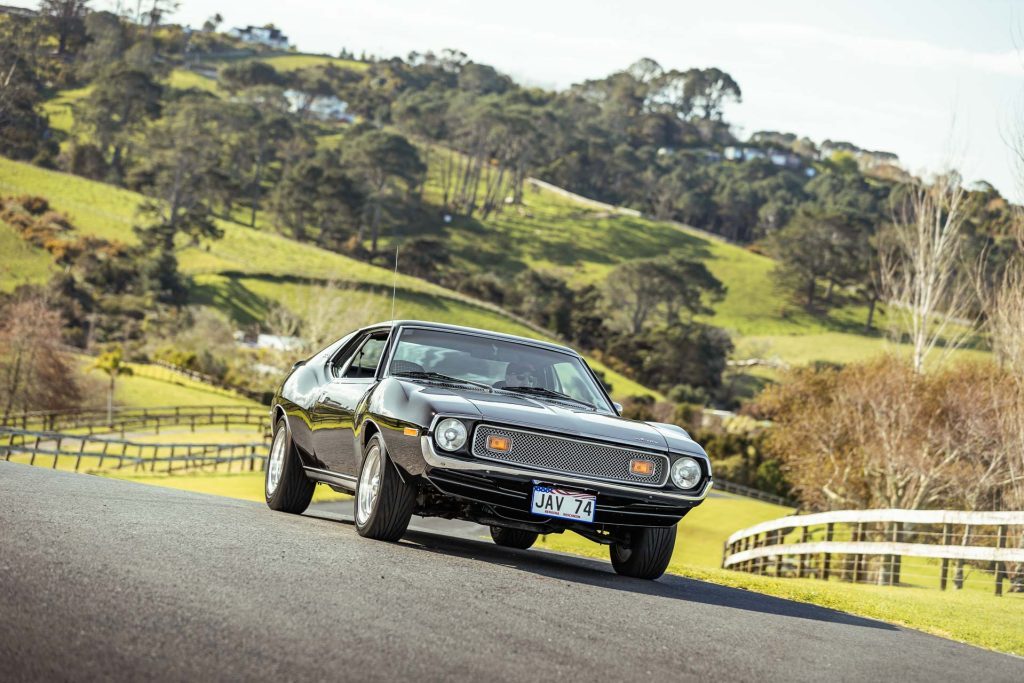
<point>261,35</point>
<point>320,107</point>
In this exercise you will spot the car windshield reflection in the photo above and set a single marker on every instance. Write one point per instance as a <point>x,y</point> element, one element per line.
<point>490,363</point>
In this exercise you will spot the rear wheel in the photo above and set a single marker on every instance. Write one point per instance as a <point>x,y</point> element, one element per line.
<point>286,485</point>
<point>513,538</point>
<point>648,553</point>
<point>384,503</point>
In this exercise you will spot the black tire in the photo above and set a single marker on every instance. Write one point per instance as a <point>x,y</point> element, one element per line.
<point>395,500</point>
<point>648,554</point>
<point>294,490</point>
<point>513,538</point>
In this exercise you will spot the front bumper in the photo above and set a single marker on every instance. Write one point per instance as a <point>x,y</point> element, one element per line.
<point>508,487</point>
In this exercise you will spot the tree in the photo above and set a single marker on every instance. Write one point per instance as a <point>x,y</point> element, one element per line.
<point>106,42</point>
<point>319,193</point>
<point>922,270</point>
<point>181,170</point>
<point>882,435</point>
<point>111,363</point>
<point>806,250</point>
<point>390,170</point>
<point>262,143</point>
<point>665,357</point>
<point>35,373</point>
<point>543,298</point>
<point>65,18</point>
<point>122,101</point>
<point>24,129</point>
<point>671,284</point>
<point>709,89</point>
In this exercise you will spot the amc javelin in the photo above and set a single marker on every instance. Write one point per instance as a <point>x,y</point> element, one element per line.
<point>512,433</point>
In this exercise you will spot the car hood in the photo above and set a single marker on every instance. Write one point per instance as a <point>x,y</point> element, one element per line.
<point>529,412</point>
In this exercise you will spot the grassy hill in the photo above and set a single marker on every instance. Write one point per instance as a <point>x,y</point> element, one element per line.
<point>584,245</point>
<point>249,269</point>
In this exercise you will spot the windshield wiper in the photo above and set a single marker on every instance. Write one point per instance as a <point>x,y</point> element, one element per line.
<point>438,377</point>
<point>549,393</point>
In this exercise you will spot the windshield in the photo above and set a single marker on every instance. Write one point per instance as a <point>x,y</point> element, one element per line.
<point>502,365</point>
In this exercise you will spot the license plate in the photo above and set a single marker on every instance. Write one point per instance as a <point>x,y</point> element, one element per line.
<point>550,501</point>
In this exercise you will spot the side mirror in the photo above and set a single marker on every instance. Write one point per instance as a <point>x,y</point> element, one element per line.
<point>617,406</point>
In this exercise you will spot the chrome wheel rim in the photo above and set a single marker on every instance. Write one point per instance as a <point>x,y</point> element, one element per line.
<point>369,485</point>
<point>276,462</point>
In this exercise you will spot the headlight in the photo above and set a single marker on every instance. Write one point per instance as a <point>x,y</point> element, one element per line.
<point>450,434</point>
<point>686,473</point>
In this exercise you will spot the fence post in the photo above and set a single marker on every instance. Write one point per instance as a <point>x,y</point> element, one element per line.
<point>81,449</point>
<point>858,536</point>
<point>958,575</point>
<point>56,454</point>
<point>1001,566</point>
<point>894,567</point>
<point>826,559</point>
<point>800,558</point>
<point>947,530</point>
<point>35,449</point>
<point>777,542</point>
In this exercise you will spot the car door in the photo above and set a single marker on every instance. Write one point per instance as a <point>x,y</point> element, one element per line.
<point>334,412</point>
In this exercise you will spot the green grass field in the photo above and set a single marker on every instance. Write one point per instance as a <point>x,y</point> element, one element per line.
<point>293,62</point>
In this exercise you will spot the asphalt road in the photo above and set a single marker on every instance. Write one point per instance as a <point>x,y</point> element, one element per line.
<point>103,579</point>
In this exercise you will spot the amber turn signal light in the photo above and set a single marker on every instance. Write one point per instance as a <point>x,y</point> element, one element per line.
<point>643,468</point>
<point>411,431</point>
<point>498,443</point>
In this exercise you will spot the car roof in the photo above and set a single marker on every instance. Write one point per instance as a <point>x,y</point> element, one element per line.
<point>473,330</point>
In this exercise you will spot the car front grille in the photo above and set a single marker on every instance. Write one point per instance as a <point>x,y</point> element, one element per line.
<point>569,456</point>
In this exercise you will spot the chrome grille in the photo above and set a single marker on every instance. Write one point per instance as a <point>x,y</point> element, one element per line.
<point>569,456</point>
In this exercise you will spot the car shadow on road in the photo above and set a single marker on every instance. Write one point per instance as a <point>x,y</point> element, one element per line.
<point>600,574</point>
<point>565,567</point>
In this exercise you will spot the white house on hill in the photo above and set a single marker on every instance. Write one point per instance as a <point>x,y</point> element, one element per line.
<point>261,35</point>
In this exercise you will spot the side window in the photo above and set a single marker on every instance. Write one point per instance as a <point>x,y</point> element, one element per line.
<point>366,358</point>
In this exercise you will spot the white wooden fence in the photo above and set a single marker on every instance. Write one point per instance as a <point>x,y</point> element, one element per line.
<point>804,545</point>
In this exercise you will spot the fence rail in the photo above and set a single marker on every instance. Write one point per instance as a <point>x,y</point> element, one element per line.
<point>130,419</point>
<point>790,545</point>
<point>91,453</point>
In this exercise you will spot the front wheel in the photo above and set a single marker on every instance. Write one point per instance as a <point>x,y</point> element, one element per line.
<point>384,503</point>
<point>286,485</point>
<point>648,553</point>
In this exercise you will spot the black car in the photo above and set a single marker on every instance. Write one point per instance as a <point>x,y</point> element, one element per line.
<point>512,433</point>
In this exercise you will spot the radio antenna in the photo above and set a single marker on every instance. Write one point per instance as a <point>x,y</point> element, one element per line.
<point>394,283</point>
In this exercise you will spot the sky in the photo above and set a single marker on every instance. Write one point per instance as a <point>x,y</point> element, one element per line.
<point>939,82</point>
